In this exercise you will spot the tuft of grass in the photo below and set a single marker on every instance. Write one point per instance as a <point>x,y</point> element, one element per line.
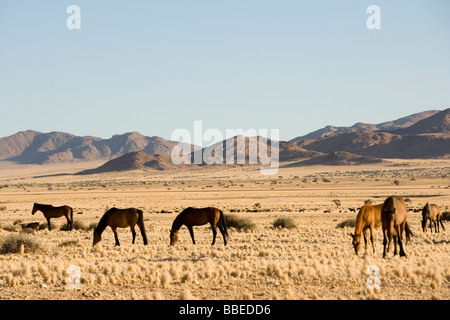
<point>76,225</point>
<point>288,223</point>
<point>13,243</point>
<point>244,224</point>
<point>347,223</point>
<point>445,216</point>
<point>44,226</point>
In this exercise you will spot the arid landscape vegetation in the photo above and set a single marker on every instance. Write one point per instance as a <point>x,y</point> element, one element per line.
<point>289,232</point>
<point>312,259</point>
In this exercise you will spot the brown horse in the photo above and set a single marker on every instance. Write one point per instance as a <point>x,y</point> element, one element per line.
<point>50,211</point>
<point>369,217</point>
<point>431,212</point>
<point>120,218</point>
<point>393,222</point>
<point>197,217</point>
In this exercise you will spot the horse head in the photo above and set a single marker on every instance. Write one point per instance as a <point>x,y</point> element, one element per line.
<point>35,208</point>
<point>356,241</point>
<point>173,237</point>
<point>97,237</point>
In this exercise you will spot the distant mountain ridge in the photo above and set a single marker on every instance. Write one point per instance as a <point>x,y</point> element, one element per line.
<point>400,123</point>
<point>54,147</point>
<point>423,135</point>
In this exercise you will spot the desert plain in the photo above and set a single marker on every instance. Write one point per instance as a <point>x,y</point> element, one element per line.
<point>312,260</point>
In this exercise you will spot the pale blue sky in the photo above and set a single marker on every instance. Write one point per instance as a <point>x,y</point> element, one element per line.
<point>155,66</point>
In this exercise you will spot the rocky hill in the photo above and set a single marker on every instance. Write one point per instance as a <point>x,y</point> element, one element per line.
<point>55,147</point>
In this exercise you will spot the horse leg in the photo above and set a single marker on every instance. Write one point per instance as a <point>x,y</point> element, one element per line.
<point>48,224</point>
<point>223,235</point>
<point>435,230</point>
<point>116,237</point>
<point>384,242</point>
<point>371,239</point>
<point>400,242</point>
<point>431,228</point>
<point>191,231</point>
<point>133,232</point>
<point>214,231</point>
<point>69,224</point>
<point>395,245</point>
<point>365,238</point>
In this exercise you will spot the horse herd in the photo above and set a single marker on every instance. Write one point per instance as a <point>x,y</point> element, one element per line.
<point>130,217</point>
<point>389,215</point>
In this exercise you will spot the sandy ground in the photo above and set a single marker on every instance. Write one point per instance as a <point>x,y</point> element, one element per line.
<point>315,260</point>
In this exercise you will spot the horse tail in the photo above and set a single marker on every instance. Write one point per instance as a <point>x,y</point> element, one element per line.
<point>408,232</point>
<point>70,218</point>
<point>141,225</point>
<point>224,224</point>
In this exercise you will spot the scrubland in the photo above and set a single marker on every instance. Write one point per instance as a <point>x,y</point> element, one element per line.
<point>311,259</point>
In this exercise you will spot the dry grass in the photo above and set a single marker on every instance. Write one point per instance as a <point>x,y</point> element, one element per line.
<point>315,260</point>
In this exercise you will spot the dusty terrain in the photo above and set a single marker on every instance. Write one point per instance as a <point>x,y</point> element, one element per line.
<point>315,260</point>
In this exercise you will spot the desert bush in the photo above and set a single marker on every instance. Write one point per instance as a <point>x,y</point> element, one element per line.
<point>13,243</point>
<point>44,226</point>
<point>233,221</point>
<point>76,225</point>
<point>347,223</point>
<point>446,216</point>
<point>288,223</point>
<point>11,227</point>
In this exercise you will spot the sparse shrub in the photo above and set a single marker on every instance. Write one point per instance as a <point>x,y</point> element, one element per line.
<point>347,223</point>
<point>91,226</point>
<point>288,223</point>
<point>13,243</point>
<point>70,243</point>
<point>44,226</point>
<point>445,216</point>
<point>76,225</point>
<point>11,228</point>
<point>233,221</point>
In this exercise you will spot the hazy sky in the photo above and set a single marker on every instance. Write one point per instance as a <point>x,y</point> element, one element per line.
<point>155,66</point>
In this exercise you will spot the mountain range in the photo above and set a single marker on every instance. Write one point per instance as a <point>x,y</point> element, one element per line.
<point>421,135</point>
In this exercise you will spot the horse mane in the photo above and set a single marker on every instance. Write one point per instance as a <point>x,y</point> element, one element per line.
<point>388,205</point>
<point>101,224</point>
<point>44,206</point>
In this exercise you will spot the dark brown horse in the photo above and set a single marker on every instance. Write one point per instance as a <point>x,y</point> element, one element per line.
<point>197,217</point>
<point>369,217</point>
<point>431,212</point>
<point>393,222</point>
<point>50,211</point>
<point>121,218</point>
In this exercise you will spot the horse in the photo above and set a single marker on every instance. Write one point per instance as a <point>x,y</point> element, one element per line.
<point>431,212</point>
<point>197,217</point>
<point>393,222</point>
<point>369,217</point>
<point>50,211</point>
<point>120,218</point>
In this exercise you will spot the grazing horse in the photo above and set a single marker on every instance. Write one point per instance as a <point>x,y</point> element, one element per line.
<point>120,218</point>
<point>393,222</point>
<point>50,211</point>
<point>369,217</point>
<point>197,217</point>
<point>431,212</point>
